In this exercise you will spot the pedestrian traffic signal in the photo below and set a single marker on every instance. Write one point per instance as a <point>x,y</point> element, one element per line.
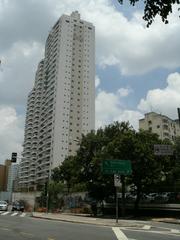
<point>14,157</point>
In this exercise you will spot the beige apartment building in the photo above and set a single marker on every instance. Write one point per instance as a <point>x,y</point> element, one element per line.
<point>61,105</point>
<point>4,169</point>
<point>165,127</point>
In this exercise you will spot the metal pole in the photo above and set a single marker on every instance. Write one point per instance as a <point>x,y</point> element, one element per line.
<point>47,201</point>
<point>117,205</point>
<point>123,195</point>
<point>48,182</point>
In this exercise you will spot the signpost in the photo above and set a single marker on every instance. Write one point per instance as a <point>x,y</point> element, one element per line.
<point>163,150</point>
<point>117,180</point>
<point>118,167</point>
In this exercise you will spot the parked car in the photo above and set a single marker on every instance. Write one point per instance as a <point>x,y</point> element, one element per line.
<point>18,206</point>
<point>3,206</point>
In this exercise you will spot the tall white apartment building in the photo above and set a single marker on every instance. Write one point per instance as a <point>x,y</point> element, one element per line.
<point>61,105</point>
<point>162,125</point>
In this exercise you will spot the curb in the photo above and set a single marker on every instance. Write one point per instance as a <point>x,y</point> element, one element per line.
<point>166,221</point>
<point>90,223</point>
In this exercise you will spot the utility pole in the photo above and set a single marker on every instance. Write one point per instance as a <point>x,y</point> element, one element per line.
<point>117,184</point>
<point>123,196</point>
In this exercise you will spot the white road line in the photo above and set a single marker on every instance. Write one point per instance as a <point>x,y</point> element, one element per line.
<point>119,234</point>
<point>146,227</point>
<point>169,233</point>
<point>23,215</point>
<point>5,213</point>
<point>175,231</point>
<point>14,214</point>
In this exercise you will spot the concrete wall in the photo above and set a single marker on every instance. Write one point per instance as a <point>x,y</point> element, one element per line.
<point>28,197</point>
<point>5,196</point>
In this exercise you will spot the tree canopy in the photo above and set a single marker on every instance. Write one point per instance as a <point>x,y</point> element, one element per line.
<point>152,8</point>
<point>116,141</point>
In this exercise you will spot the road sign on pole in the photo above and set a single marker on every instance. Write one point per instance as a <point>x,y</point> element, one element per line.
<point>116,166</point>
<point>117,180</point>
<point>163,150</point>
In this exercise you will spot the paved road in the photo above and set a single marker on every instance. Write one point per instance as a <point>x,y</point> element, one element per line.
<point>20,228</point>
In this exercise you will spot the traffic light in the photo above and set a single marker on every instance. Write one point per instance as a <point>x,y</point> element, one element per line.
<point>14,157</point>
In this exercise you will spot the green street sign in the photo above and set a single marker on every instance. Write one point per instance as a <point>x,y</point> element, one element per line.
<point>116,166</point>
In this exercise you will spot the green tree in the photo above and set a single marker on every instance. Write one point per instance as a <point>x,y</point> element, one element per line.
<point>55,189</point>
<point>147,169</point>
<point>115,141</point>
<point>66,172</point>
<point>152,8</point>
<point>90,156</point>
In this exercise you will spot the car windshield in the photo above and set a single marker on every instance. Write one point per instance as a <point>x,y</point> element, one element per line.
<point>3,202</point>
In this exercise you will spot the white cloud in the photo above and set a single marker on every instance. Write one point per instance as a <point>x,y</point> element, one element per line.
<point>109,108</point>
<point>97,81</point>
<point>124,92</point>
<point>128,44</point>
<point>124,42</point>
<point>165,101</point>
<point>18,64</point>
<point>11,132</point>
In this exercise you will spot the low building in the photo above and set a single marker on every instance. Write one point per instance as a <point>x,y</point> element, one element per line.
<point>165,127</point>
<point>4,169</point>
<point>2,178</point>
<point>12,176</point>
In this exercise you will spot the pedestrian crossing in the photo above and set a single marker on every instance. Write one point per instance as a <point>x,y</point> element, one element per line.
<point>12,214</point>
<point>147,228</point>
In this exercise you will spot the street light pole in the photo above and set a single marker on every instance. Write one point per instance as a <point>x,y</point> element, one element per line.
<point>117,208</point>
<point>47,190</point>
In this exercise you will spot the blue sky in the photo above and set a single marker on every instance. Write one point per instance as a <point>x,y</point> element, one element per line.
<point>137,69</point>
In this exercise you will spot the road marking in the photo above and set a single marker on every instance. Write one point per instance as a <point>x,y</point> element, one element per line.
<point>175,231</point>
<point>26,234</point>
<point>23,215</point>
<point>4,229</point>
<point>5,213</point>
<point>169,233</point>
<point>119,234</point>
<point>146,227</point>
<point>14,214</point>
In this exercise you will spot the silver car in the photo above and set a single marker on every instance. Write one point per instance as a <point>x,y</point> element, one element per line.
<point>3,206</point>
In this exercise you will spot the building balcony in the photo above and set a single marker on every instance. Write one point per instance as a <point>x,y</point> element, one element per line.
<point>23,172</point>
<point>44,163</point>
<point>25,160</point>
<point>23,181</point>
<point>42,177</point>
<point>32,174</point>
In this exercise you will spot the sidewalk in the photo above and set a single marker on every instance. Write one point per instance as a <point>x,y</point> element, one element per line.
<point>167,220</point>
<point>87,219</point>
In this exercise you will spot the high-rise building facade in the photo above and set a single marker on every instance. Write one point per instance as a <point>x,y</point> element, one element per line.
<point>162,125</point>
<point>61,105</point>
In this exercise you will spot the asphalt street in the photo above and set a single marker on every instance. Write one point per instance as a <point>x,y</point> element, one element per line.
<point>19,227</point>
